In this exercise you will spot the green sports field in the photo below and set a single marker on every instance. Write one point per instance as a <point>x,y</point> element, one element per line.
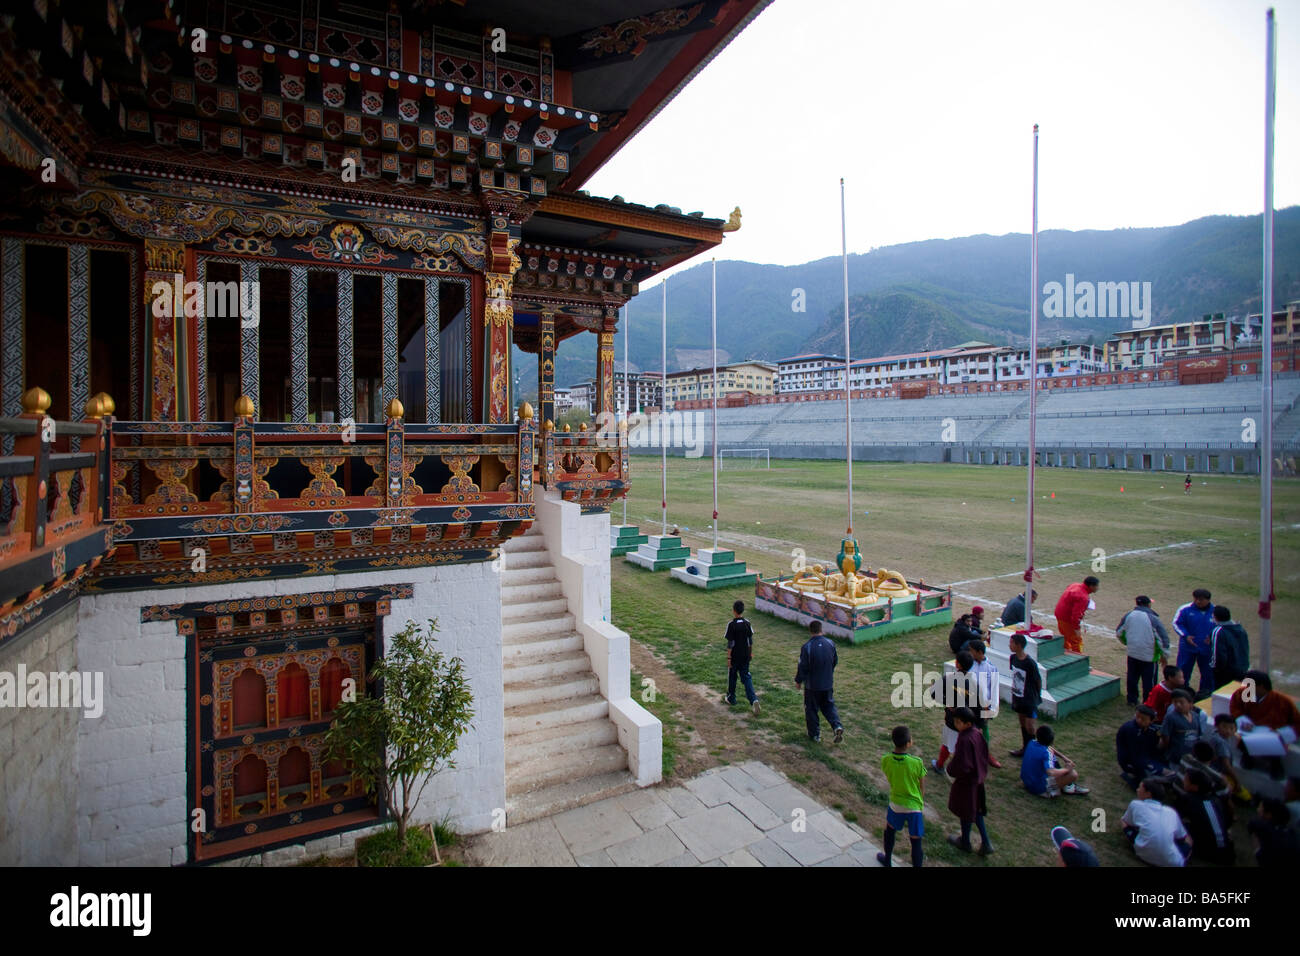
<point>959,525</point>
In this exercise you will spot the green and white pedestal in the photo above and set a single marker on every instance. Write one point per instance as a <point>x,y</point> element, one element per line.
<point>624,538</point>
<point>1070,682</point>
<point>714,568</point>
<point>661,551</point>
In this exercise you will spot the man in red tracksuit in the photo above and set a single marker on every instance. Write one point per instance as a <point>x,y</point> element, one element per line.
<point>1069,612</point>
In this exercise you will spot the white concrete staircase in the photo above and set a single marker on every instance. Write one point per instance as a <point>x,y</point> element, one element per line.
<point>562,748</point>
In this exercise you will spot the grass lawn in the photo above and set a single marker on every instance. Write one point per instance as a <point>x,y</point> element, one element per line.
<point>918,524</point>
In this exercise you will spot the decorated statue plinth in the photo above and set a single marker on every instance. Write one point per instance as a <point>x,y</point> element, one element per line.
<point>1070,683</point>
<point>659,552</point>
<point>852,603</point>
<point>714,568</point>
<point>625,538</point>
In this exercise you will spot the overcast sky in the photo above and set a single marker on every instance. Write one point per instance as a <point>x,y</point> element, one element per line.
<point>1151,113</point>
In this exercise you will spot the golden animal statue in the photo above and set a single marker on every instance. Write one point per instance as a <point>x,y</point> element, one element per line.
<point>810,579</point>
<point>850,584</point>
<point>891,583</point>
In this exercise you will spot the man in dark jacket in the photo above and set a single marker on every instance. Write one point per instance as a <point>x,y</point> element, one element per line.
<point>1229,648</point>
<point>816,678</point>
<point>962,633</point>
<point>1014,612</point>
<point>740,648</point>
<point>1137,747</point>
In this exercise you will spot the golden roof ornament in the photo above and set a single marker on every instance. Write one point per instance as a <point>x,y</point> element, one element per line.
<point>549,426</point>
<point>106,402</point>
<point>95,407</point>
<point>244,407</point>
<point>525,412</point>
<point>36,401</point>
<point>394,409</point>
<point>733,223</point>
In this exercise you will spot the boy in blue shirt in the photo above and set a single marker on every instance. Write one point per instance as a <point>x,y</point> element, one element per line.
<point>1038,770</point>
<point>905,773</point>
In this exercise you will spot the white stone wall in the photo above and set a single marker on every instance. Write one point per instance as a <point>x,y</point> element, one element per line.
<point>132,791</point>
<point>579,548</point>
<point>38,754</point>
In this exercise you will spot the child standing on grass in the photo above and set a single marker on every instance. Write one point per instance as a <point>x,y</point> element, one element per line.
<point>969,768</point>
<point>1026,690</point>
<point>905,773</point>
<point>740,648</point>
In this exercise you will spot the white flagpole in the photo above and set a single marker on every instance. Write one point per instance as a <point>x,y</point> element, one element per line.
<point>626,331</point>
<point>1033,398</point>
<point>663,401</point>
<point>1266,330</point>
<point>715,403</point>
<point>848,411</point>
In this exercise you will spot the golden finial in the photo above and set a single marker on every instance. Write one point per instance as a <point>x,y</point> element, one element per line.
<point>244,407</point>
<point>566,426</point>
<point>582,427</point>
<point>525,411</point>
<point>733,223</point>
<point>394,409</point>
<point>95,407</point>
<point>36,401</point>
<point>107,403</point>
<point>549,426</point>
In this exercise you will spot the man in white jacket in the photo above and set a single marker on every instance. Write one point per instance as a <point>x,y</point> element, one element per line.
<point>1140,629</point>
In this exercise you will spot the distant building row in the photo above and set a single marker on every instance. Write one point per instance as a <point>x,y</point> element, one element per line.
<point>980,362</point>
<point>971,363</point>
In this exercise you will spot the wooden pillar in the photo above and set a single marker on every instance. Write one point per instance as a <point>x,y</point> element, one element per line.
<point>546,365</point>
<point>11,332</point>
<point>164,282</point>
<point>499,317</point>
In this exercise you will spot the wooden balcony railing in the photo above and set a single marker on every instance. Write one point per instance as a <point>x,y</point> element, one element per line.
<point>587,466</point>
<point>52,509</point>
<point>199,479</point>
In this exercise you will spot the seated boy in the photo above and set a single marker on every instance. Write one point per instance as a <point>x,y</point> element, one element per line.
<point>1137,747</point>
<point>1038,770</point>
<point>1208,819</point>
<point>1155,831</point>
<point>1269,708</point>
<point>1184,724</point>
<point>1162,694</point>
<point>905,773</point>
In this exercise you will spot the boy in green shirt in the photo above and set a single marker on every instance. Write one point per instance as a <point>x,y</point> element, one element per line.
<point>904,772</point>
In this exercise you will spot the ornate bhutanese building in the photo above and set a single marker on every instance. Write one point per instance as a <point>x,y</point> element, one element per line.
<point>262,267</point>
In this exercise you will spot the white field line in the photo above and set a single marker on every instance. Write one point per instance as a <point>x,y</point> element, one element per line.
<point>1072,564</point>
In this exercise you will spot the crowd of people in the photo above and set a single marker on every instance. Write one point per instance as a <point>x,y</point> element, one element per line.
<point>1183,767</point>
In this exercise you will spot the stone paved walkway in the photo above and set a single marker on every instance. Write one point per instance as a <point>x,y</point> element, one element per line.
<point>729,816</point>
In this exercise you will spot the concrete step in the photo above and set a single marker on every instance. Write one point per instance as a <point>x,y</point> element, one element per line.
<point>522,720</point>
<point>565,738</point>
<point>517,670</point>
<point>557,688</point>
<point>525,543</point>
<point>565,796</point>
<point>562,768</point>
<point>530,591</point>
<point>534,610</point>
<point>513,577</point>
<point>1096,688</point>
<point>524,629</point>
<point>543,645</point>
<point>517,560</point>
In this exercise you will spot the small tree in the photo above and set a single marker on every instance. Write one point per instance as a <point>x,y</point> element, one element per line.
<point>397,742</point>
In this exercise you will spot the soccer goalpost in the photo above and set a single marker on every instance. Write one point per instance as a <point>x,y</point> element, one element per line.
<point>748,459</point>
